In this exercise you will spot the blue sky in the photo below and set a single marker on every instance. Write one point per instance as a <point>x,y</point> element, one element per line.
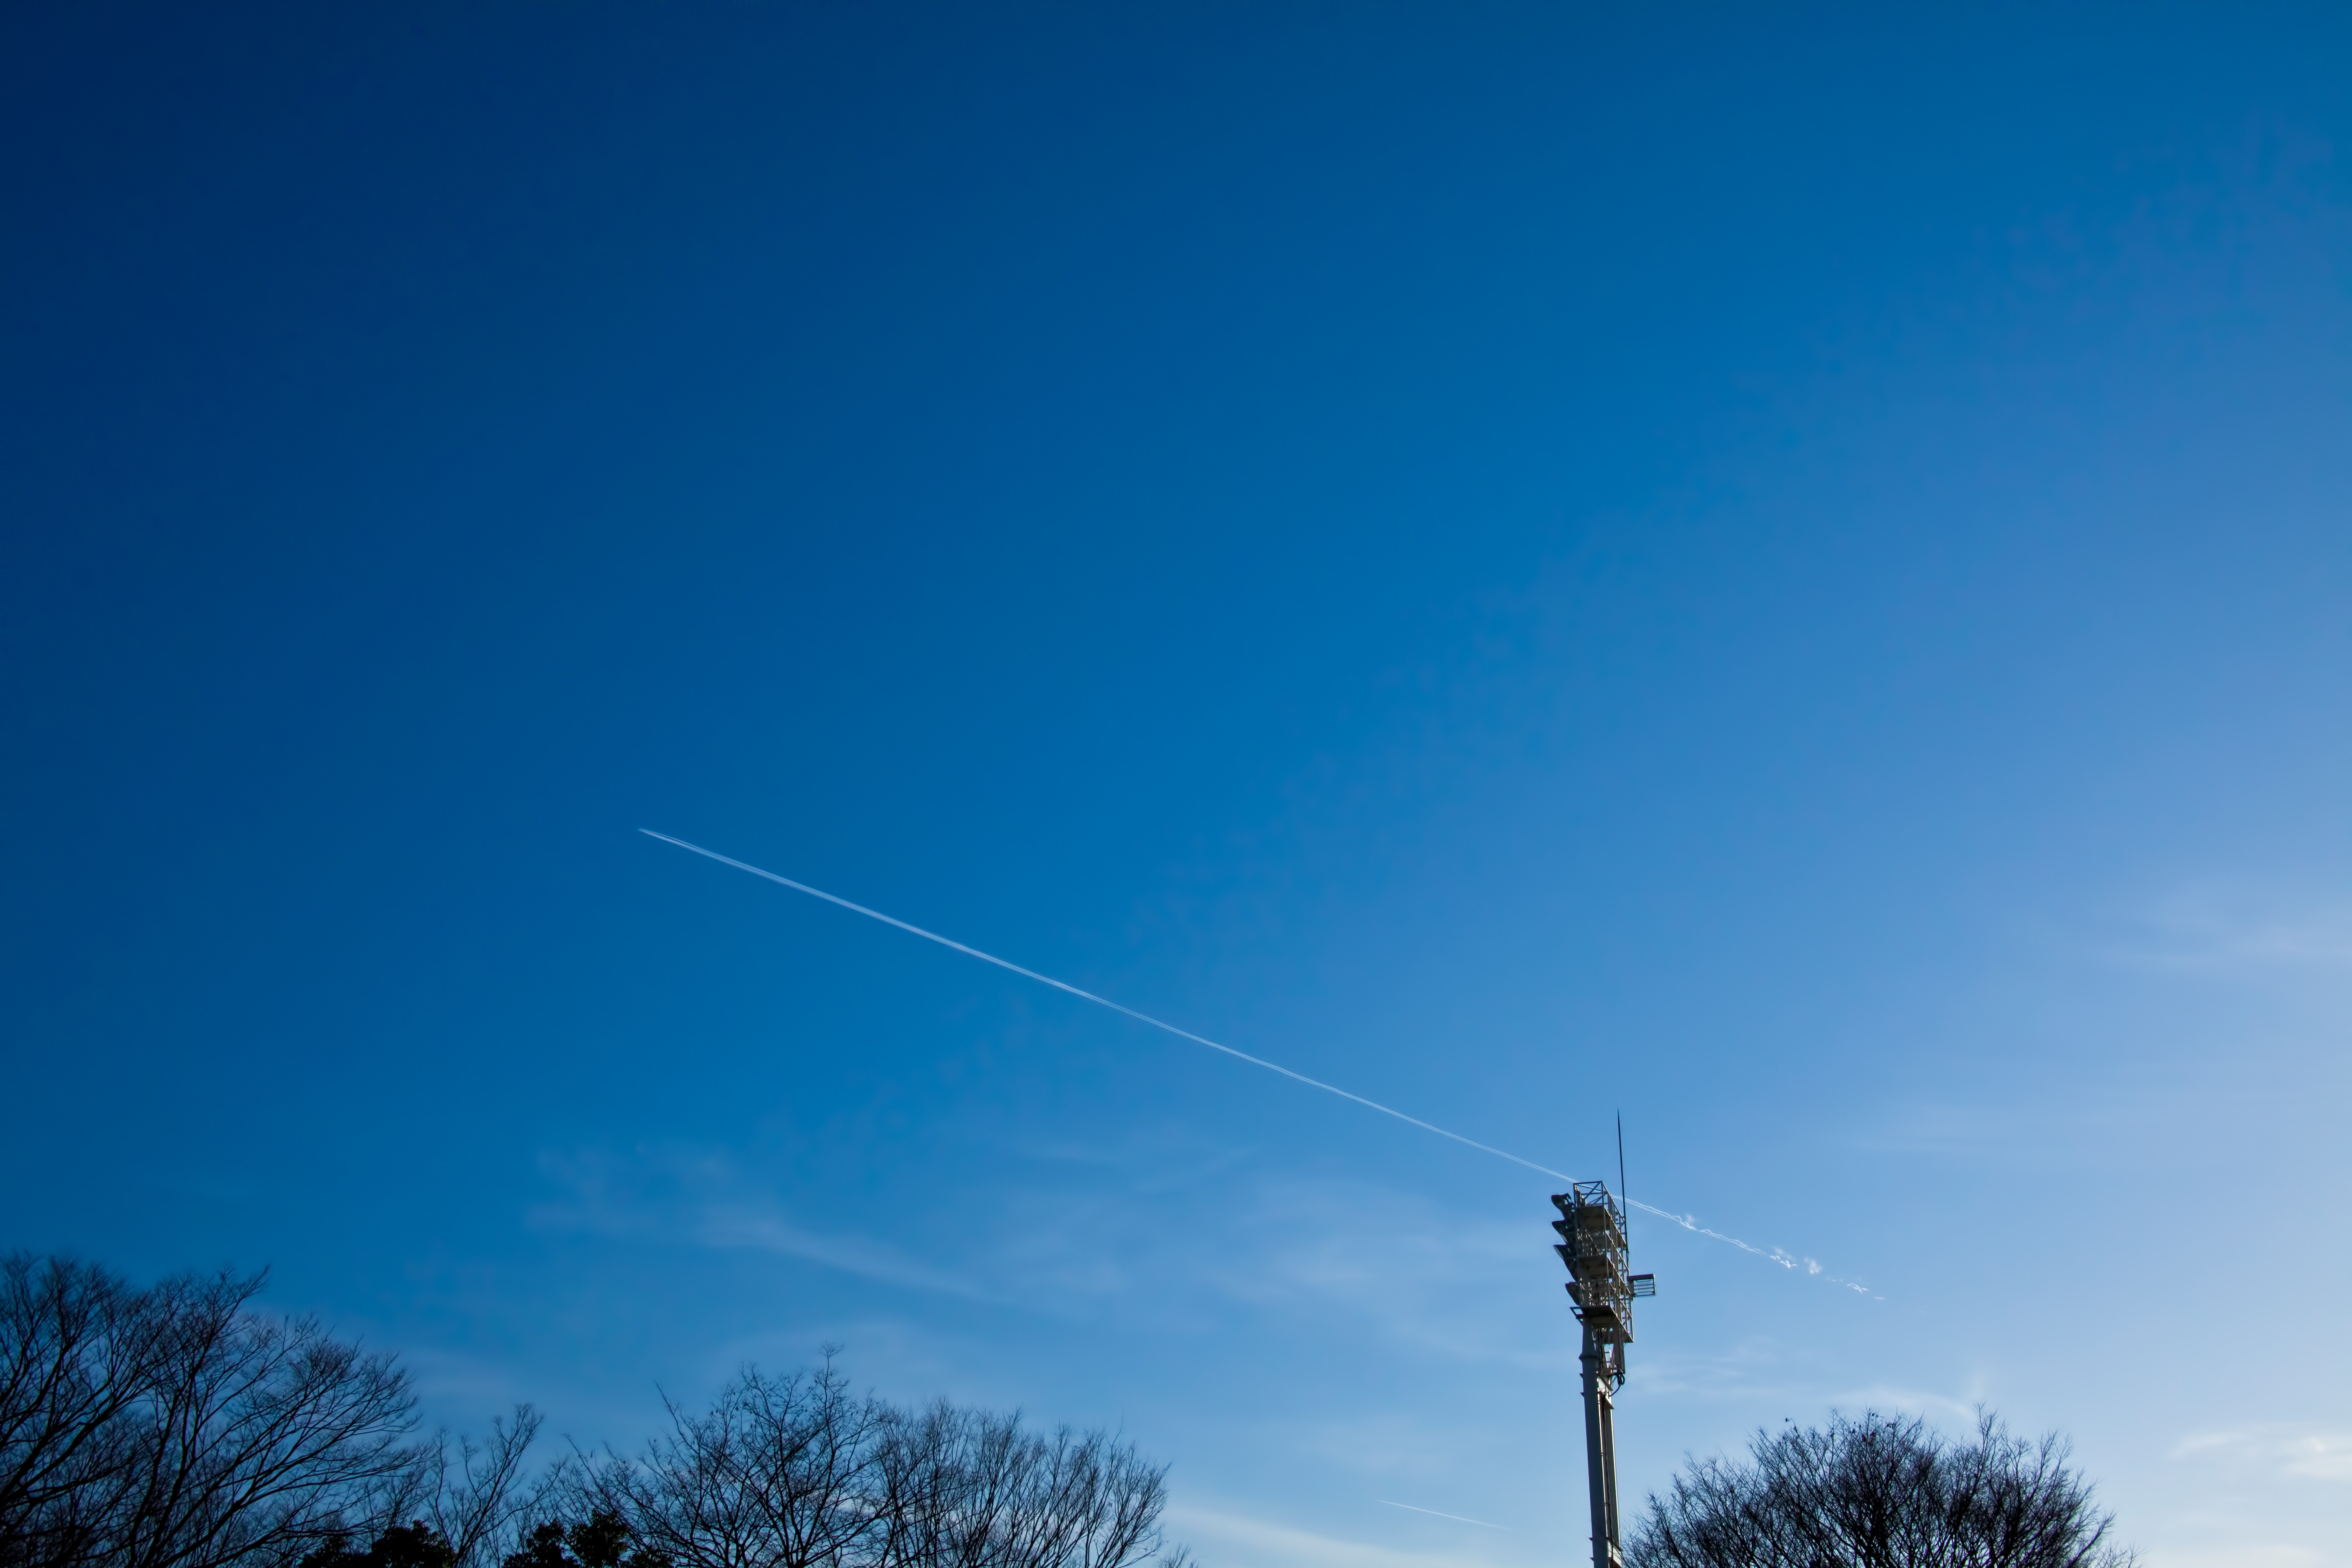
<point>1787,575</point>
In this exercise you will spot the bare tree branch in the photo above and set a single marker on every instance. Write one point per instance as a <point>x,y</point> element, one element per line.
<point>798,1473</point>
<point>1881,1492</point>
<point>174,1428</point>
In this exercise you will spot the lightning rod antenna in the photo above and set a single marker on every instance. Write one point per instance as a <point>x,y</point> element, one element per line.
<point>1624,1196</point>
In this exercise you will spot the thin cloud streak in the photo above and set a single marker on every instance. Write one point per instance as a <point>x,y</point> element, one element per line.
<point>2211,931</point>
<point>1252,1539</point>
<point>1458,1519</point>
<point>703,1206</point>
<point>1774,1255</point>
<point>2309,1453</point>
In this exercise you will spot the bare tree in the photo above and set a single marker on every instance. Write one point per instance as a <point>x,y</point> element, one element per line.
<point>800,1473</point>
<point>475,1500</point>
<point>78,1352</point>
<point>1882,1492</point>
<point>174,1428</point>
<point>774,1476</point>
<point>257,1437</point>
<point>969,1489</point>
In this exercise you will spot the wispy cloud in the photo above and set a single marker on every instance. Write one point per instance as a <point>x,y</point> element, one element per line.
<point>2108,1125</point>
<point>1957,1410</point>
<point>1244,1539</point>
<point>1417,1273</point>
<point>699,1199</point>
<point>2216,932</point>
<point>1425,1451</point>
<point>739,1226</point>
<point>2243,1553</point>
<point>1777,1381</point>
<point>1457,1286</point>
<point>2029,1129</point>
<point>452,1380</point>
<point>1758,1370</point>
<point>2309,1453</point>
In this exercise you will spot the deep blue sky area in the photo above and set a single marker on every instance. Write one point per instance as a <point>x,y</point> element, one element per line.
<point>1787,572</point>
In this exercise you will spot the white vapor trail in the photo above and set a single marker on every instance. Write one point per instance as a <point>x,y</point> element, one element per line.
<point>1433,1514</point>
<point>1103,1002</point>
<point>1774,1254</point>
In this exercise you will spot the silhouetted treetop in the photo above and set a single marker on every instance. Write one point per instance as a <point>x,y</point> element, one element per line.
<point>174,1428</point>
<point>1881,1491</point>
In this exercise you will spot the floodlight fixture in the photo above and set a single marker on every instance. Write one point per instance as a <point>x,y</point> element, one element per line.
<point>1601,1290</point>
<point>1591,1228</point>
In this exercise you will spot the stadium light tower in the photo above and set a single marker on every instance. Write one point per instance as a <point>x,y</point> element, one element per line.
<point>1592,1244</point>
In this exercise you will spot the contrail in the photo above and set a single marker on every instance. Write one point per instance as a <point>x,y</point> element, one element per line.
<point>1691,1225</point>
<point>1434,1514</point>
<point>1770,1255</point>
<point>1103,1002</point>
<point>1774,1254</point>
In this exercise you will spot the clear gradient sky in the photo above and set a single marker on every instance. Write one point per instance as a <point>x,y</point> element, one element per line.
<point>1787,571</point>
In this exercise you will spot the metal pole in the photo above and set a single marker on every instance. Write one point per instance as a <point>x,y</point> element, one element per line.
<point>1609,1469</point>
<point>1601,1453</point>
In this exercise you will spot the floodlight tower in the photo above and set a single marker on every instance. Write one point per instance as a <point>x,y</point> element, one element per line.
<point>1592,1244</point>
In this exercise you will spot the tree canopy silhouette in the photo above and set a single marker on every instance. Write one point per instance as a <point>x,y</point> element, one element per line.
<point>171,1427</point>
<point>175,1427</point>
<point>800,1472</point>
<point>1881,1491</point>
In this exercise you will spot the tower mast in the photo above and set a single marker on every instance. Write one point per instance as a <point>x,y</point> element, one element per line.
<point>1591,1228</point>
